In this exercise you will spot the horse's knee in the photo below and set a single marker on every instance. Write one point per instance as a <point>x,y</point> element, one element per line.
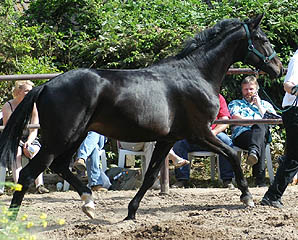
<point>25,178</point>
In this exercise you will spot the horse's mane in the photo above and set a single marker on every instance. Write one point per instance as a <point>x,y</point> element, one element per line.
<point>209,35</point>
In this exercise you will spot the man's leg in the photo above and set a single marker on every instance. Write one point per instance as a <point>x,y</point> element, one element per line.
<point>226,170</point>
<point>95,181</point>
<point>85,150</point>
<point>289,167</point>
<point>255,141</point>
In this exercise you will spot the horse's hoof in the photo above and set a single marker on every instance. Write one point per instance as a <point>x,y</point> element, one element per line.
<point>89,211</point>
<point>129,218</point>
<point>248,201</point>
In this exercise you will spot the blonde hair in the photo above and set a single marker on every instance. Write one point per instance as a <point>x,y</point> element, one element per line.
<point>251,79</point>
<point>19,85</point>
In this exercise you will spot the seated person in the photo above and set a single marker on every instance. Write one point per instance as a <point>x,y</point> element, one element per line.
<point>88,158</point>
<point>29,139</point>
<point>182,148</point>
<point>148,148</point>
<point>251,137</point>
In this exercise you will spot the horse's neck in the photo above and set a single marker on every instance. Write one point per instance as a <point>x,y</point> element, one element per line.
<point>217,61</point>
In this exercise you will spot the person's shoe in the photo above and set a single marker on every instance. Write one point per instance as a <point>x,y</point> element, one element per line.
<point>228,184</point>
<point>261,185</point>
<point>178,184</point>
<point>156,185</point>
<point>267,202</point>
<point>182,162</point>
<point>41,189</point>
<point>80,164</point>
<point>252,158</point>
<point>98,188</point>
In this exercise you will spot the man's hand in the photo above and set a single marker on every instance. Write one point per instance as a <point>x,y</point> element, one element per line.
<point>294,90</point>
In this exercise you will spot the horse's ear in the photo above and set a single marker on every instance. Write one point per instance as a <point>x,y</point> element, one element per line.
<point>255,22</point>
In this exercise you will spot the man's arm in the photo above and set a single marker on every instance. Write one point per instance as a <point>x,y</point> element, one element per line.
<point>220,127</point>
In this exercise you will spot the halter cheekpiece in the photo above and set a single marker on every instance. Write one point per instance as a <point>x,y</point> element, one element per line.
<point>251,47</point>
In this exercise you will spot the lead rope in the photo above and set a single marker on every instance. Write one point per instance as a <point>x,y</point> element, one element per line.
<point>278,109</point>
<point>256,71</point>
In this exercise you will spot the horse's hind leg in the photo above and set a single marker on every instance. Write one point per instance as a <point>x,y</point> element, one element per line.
<point>61,166</point>
<point>27,176</point>
<point>159,154</point>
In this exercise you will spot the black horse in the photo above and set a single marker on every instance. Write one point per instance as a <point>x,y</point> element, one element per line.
<point>171,100</point>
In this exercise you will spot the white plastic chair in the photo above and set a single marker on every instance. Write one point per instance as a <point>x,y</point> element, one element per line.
<point>214,159</point>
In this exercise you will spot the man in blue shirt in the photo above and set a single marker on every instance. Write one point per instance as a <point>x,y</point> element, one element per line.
<point>251,137</point>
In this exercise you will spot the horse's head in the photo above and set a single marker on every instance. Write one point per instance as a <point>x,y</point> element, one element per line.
<point>259,50</point>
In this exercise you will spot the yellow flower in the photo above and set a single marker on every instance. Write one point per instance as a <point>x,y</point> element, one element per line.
<point>4,220</point>
<point>61,221</point>
<point>43,216</point>
<point>24,217</point>
<point>18,187</point>
<point>44,223</point>
<point>32,237</point>
<point>4,209</point>
<point>14,229</point>
<point>30,224</point>
<point>9,213</point>
<point>21,238</point>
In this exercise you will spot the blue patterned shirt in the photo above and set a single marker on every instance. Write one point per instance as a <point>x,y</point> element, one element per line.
<point>248,111</point>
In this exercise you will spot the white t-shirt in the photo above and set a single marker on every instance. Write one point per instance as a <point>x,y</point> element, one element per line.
<point>292,76</point>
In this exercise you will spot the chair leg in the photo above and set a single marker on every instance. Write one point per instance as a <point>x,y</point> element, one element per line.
<point>218,168</point>
<point>121,159</point>
<point>269,163</point>
<point>144,166</point>
<point>212,167</point>
<point>103,159</point>
<point>66,185</point>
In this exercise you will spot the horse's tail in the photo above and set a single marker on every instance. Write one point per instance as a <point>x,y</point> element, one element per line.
<point>12,133</point>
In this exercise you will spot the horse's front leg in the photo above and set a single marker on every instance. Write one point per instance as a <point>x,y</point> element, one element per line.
<point>159,154</point>
<point>235,161</point>
<point>27,176</point>
<point>216,145</point>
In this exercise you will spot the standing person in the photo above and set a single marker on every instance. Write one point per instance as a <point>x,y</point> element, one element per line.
<point>88,158</point>
<point>289,166</point>
<point>29,138</point>
<point>252,137</point>
<point>182,148</point>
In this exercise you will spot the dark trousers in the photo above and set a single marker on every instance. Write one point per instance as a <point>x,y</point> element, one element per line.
<point>289,167</point>
<point>255,139</point>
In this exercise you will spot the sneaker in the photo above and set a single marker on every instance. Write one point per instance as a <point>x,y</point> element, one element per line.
<point>267,202</point>
<point>261,185</point>
<point>228,184</point>
<point>178,184</point>
<point>181,162</point>
<point>80,164</point>
<point>252,158</point>
<point>41,189</point>
<point>98,188</point>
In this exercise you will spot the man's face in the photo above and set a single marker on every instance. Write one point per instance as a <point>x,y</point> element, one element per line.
<point>249,90</point>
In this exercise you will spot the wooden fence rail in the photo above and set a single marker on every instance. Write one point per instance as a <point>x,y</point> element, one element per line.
<point>231,71</point>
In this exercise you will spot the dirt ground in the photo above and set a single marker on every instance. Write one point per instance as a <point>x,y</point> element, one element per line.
<point>192,213</point>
